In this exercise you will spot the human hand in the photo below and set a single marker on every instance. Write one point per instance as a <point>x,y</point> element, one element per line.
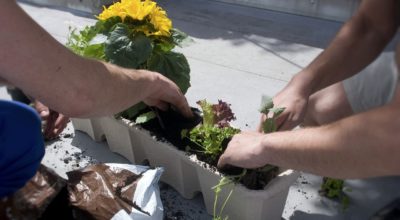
<point>294,100</point>
<point>54,121</point>
<point>244,150</point>
<point>167,93</point>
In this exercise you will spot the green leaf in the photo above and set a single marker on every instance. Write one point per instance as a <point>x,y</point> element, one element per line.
<point>276,111</point>
<point>172,65</point>
<point>145,117</point>
<point>269,125</point>
<point>266,104</point>
<point>105,27</point>
<point>126,50</point>
<point>180,38</point>
<point>208,113</point>
<point>184,133</point>
<point>210,138</point>
<point>95,51</point>
<point>133,111</point>
<point>267,168</point>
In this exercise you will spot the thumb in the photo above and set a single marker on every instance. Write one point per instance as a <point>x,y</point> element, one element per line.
<point>221,162</point>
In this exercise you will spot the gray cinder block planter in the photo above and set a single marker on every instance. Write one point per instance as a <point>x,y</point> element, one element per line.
<point>188,175</point>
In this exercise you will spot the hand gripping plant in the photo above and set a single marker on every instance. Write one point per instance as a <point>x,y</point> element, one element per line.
<point>211,138</point>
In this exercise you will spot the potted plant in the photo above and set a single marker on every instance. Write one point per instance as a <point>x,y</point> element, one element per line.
<point>138,34</point>
<point>133,34</point>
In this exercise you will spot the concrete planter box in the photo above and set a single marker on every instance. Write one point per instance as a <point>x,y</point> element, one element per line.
<point>91,127</point>
<point>188,175</point>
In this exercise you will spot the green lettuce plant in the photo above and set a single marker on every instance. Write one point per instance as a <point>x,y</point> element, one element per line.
<point>211,138</point>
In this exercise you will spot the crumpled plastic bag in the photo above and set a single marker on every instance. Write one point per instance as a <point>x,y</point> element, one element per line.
<point>116,191</point>
<point>31,201</point>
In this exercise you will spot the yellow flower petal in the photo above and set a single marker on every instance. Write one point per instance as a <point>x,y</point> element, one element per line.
<point>139,10</point>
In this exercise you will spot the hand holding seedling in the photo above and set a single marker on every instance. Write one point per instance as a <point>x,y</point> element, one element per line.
<point>244,150</point>
<point>247,148</point>
<point>294,99</point>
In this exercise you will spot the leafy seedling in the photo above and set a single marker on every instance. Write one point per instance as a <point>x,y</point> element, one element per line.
<point>334,189</point>
<point>269,125</point>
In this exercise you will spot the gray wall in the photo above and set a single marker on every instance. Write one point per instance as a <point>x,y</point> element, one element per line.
<point>338,10</point>
<point>91,6</point>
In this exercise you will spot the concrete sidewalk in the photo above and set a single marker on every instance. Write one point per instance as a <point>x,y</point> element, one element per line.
<point>238,54</point>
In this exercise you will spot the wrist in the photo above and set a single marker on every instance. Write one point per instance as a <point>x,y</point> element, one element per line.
<point>267,146</point>
<point>304,83</point>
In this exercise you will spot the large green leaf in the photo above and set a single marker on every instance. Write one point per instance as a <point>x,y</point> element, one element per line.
<point>180,38</point>
<point>172,65</point>
<point>105,27</point>
<point>126,50</point>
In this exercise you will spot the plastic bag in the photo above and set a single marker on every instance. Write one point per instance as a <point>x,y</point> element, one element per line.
<point>116,191</point>
<point>31,201</point>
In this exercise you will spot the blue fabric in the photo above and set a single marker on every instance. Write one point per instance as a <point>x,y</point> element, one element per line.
<point>21,145</point>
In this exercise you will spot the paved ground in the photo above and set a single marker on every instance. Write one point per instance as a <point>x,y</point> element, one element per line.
<point>238,54</point>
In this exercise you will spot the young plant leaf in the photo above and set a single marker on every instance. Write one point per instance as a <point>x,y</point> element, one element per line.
<point>276,111</point>
<point>145,117</point>
<point>266,104</point>
<point>222,114</point>
<point>133,111</point>
<point>269,125</point>
<point>95,51</point>
<point>208,114</point>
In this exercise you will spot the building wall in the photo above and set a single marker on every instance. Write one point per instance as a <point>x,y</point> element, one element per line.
<point>338,10</point>
<point>91,6</point>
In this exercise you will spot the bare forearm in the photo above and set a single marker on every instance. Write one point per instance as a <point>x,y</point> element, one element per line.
<point>356,45</point>
<point>46,70</point>
<point>364,145</point>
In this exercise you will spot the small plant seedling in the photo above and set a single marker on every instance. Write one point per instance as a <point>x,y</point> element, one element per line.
<point>334,189</point>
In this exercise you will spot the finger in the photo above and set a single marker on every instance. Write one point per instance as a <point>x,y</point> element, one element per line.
<point>60,125</point>
<point>222,162</point>
<point>162,106</point>
<point>44,114</point>
<point>61,122</point>
<point>183,107</point>
<point>42,110</point>
<point>287,126</point>
<point>50,123</point>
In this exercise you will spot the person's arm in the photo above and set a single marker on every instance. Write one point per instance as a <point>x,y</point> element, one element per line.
<point>364,145</point>
<point>35,62</point>
<point>356,45</point>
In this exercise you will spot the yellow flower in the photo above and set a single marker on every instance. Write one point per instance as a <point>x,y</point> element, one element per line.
<point>161,22</point>
<point>139,10</point>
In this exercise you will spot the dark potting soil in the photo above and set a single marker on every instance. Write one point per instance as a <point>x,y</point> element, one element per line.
<point>168,126</point>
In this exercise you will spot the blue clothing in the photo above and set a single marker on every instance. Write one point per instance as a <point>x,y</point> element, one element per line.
<point>21,145</point>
